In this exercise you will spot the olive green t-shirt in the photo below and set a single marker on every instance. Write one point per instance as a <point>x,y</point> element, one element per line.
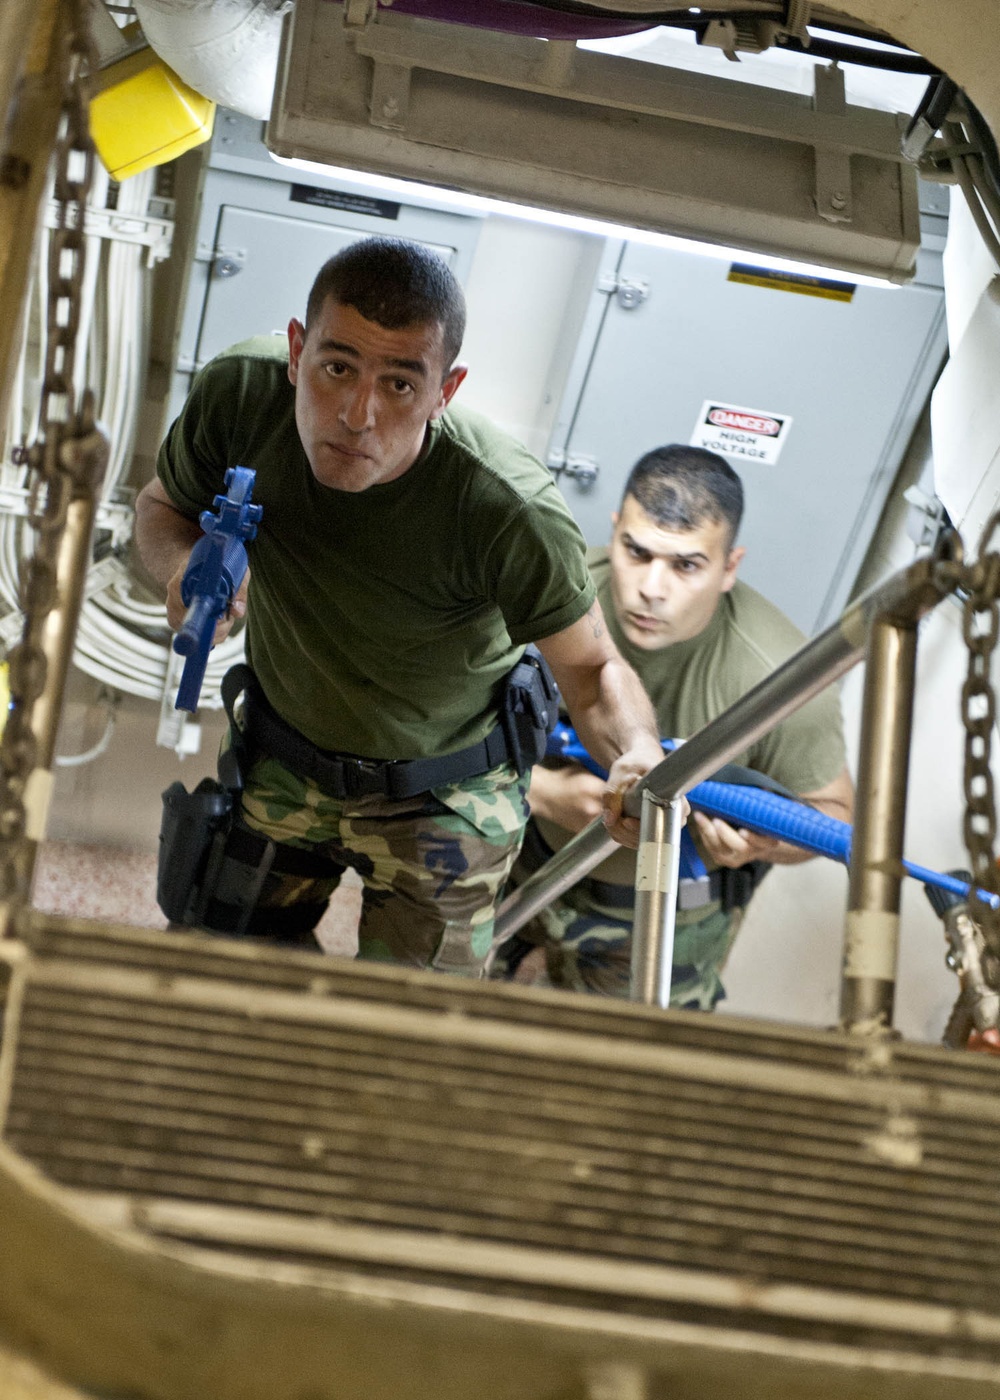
<point>381,622</point>
<point>692,682</point>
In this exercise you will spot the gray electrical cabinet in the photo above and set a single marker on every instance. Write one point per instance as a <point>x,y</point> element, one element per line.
<point>811,391</point>
<point>264,231</point>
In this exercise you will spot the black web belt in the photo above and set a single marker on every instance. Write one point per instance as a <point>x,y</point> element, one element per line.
<point>347,775</point>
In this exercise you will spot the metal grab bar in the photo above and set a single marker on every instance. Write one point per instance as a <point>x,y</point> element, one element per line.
<point>901,599</point>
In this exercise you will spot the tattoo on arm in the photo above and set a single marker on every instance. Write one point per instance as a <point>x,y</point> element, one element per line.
<point>596,620</point>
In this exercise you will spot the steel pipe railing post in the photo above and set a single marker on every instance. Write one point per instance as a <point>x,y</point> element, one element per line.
<point>656,877</point>
<point>871,936</point>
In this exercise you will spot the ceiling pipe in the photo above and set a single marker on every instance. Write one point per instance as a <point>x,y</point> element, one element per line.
<point>225,49</point>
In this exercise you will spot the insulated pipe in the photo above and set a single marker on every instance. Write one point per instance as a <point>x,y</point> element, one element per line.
<point>871,938</point>
<point>225,49</point>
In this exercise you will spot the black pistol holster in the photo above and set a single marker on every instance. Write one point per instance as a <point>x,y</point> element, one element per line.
<point>737,884</point>
<point>212,866</point>
<point>529,709</point>
<point>193,831</point>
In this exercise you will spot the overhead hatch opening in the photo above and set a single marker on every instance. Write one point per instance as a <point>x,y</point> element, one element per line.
<point>899,88</point>
<point>621,113</point>
<point>803,176</point>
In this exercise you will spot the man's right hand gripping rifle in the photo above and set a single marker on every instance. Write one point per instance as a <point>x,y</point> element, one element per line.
<point>212,588</point>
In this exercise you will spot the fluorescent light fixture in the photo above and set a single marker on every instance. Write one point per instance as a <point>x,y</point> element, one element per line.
<point>860,41</point>
<point>441,197</point>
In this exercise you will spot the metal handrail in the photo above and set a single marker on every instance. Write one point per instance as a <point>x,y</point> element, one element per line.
<point>903,598</point>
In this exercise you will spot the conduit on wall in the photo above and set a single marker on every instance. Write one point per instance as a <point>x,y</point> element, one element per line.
<point>122,637</point>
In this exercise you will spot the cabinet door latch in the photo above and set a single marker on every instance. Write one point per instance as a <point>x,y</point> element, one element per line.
<point>629,291</point>
<point>583,470</point>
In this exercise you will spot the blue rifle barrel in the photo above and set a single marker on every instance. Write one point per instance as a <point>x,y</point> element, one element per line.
<point>214,573</point>
<point>770,814</point>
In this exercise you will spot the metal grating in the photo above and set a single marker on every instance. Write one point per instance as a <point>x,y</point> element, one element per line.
<point>627,1156</point>
<point>104,946</point>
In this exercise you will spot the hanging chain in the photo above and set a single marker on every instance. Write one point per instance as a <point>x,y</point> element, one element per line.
<point>54,460</point>
<point>980,583</point>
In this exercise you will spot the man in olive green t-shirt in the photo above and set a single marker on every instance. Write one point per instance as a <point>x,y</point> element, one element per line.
<point>699,638</point>
<point>407,553</point>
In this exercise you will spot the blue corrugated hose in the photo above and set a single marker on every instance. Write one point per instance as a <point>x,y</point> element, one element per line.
<point>770,814</point>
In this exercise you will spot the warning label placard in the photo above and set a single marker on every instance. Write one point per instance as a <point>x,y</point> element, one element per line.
<point>799,282</point>
<point>340,199</point>
<point>748,434</point>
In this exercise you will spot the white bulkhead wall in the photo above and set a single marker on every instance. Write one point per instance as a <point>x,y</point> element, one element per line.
<point>527,292</point>
<point>966,405</point>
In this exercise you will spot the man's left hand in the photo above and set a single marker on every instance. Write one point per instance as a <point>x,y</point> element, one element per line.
<point>625,772</point>
<point>733,846</point>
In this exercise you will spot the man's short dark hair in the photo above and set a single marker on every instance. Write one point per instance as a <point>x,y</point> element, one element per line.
<point>396,284</point>
<point>681,487</point>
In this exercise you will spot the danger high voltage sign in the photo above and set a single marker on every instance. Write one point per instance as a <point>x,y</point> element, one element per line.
<point>749,434</point>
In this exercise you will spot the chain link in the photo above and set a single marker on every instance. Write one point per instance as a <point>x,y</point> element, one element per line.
<point>52,468</point>
<point>980,584</point>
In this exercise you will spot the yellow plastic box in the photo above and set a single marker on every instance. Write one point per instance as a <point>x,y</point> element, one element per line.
<point>142,114</point>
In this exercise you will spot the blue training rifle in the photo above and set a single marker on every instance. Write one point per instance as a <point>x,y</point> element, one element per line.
<point>768,813</point>
<point>214,573</point>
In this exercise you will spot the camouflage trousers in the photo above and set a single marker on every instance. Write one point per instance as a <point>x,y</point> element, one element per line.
<point>588,946</point>
<point>432,865</point>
